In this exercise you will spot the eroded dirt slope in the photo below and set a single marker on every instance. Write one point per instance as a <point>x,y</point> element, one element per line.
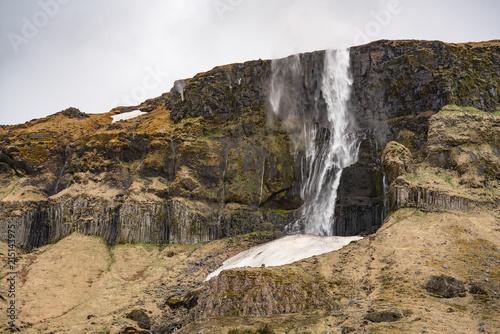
<point>382,277</point>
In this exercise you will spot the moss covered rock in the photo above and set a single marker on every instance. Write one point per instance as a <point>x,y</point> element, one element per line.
<point>259,292</point>
<point>466,139</point>
<point>397,160</point>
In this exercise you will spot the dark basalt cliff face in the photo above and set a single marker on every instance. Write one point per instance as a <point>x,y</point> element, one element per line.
<point>393,79</point>
<point>208,162</point>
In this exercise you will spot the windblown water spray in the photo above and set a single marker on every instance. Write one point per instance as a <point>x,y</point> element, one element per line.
<point>328,142</point>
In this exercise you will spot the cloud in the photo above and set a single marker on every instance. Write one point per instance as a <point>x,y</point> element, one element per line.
<point>89,54</point>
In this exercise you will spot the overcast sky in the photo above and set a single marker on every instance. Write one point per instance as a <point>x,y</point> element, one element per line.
<point>97,54</point>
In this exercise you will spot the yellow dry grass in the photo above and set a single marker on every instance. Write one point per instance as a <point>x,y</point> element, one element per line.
<point>80,285</point>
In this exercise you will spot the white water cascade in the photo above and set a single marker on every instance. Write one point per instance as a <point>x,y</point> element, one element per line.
<point>325,162</point>
<point>329,146</point>
<point>328,143</point>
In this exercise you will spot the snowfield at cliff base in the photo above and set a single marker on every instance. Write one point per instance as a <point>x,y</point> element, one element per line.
<point>285,250</point>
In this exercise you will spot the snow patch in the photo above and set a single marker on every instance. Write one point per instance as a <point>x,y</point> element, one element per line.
<point>127,115</point>
<point>284,251</point>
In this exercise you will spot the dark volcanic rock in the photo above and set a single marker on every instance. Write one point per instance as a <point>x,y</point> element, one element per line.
<point>477,289</point>
<point>224,93</point>
<point>132,330</point>
<point>360,196</point>
<point>128,221</point>
<point>419,197</point>
<point>384,316</point>
<point>398,78</point>
<point>445,286</point>
<point>174,302</point>
<point>74,113</point>
<point>259,292</point>
<point>460,140</point>
<point>191,298</point>
<point>141,318</point>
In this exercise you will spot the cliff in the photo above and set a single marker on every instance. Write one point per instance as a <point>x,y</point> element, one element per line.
<point>459,170</point>
<point>141,180</point>
<point>209,161</point>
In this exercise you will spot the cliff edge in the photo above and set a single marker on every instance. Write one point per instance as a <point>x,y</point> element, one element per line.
<point>207,160</point>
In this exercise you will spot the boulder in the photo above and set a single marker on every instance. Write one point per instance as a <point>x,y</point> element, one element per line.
<point>174,302</point>
<point>132,330</point>
<point>445,286</point>
<point>477,289</point>
<point>191,298</point>
<point>384,316</point>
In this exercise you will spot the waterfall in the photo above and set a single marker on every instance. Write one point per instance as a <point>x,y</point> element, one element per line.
<point>59,177</point>
<point>386,187</point>
<point>326,161</point>
<point>262,181</point>
<point>327,139</point>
